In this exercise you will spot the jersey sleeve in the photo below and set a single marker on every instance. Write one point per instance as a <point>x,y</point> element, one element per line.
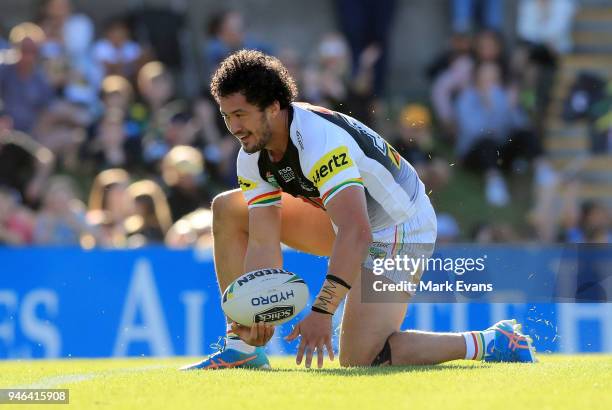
<point>331,165</point>
<point>257,192</point>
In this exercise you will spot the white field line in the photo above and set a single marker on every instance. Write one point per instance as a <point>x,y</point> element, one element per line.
<point>55,381</point>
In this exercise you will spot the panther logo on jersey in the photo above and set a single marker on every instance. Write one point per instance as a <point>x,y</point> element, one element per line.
<point>246,184</point>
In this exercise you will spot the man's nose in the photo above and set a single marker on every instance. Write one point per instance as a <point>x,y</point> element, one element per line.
<point>235,126</point>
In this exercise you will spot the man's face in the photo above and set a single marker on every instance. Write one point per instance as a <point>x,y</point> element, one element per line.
<point>246,122</point>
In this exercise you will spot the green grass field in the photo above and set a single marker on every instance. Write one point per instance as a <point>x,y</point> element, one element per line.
<point>557,382</point>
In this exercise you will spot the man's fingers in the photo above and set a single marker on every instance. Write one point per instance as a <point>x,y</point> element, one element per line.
<point>309,351</point>
<point>253,333</point>
<point>300,353</point>
<point>269,333</point>
<point>320,354</point>
<point>330,349</point>
<point>294,333</point>
<point>240,330</point>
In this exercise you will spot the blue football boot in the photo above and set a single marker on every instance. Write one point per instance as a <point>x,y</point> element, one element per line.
<point>227,358</point>
<point>509,345</point>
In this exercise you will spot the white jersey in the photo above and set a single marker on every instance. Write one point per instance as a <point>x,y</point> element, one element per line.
<point>327,152</point>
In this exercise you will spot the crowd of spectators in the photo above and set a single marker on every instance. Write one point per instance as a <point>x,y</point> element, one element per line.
<point>106,115</point>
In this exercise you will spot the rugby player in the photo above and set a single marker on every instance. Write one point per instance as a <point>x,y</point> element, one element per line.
<point>345,193</point>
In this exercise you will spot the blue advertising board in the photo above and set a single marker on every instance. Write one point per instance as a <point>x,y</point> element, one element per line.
<point>68,302</point>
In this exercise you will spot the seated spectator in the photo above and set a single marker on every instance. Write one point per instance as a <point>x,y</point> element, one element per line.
<point>16,221</point>
<point>25,165</point>
<point>226,34</point>
<point>187,188</point>
<point>492,132</point>
<point>415,144</point>
<point>151,219</point>
<point>61,219</point>
<point>24,87</point>
<point>110,204</point>
<point>192,230</point>
<point>116,53</point>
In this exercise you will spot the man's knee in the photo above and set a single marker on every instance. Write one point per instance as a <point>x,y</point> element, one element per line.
<point>379,355</point>
<point>226,209</point>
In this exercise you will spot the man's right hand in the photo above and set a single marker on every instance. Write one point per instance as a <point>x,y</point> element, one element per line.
<point>257,335</point>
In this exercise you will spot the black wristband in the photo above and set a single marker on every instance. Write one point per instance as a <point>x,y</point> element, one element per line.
<point>318,310</point>
<point>340,281</point>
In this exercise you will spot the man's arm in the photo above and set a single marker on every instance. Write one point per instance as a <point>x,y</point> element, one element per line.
<point>263,251</point>
<point>348,212</point>
<point>263,248</point>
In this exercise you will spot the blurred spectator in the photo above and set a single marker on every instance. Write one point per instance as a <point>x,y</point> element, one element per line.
<point>415,144</point>
<point>25,165</point>
<point>448,229</point>
<point>447,85</point>
<point>194,229</point>
<point>4,43</point>
<point>492,131</point>
<point>499,232</point>
<point>109,206</point>
<point>367,25</point>
<point>156,88</point>
<point>151,219</point>
<point>160,29</point>
<point>226,34</point>
<point>489,47</point>
<point>546,23</point>
<point>16,221</point>
<point>460,44</point>
<point>187,188</point>
<point>470,14</point>
<point>66,50</point>
<point>61,219</point>
<point>116,138</point>
<point>24,88</point>
<point>116,53</point>
<point>592,225</point>
<point>219,147</point>
<point>331,84</point>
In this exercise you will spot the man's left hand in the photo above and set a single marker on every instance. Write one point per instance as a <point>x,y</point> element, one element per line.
<point>316,332</point>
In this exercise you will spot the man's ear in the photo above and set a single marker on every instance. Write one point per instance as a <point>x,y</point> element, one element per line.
<point>273,109</point>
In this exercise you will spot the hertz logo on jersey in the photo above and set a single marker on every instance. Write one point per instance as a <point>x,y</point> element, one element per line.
<point>246,185</point>
<point>329,165</point>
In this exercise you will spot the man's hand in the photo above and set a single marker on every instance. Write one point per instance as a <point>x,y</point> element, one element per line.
<point>257,335</point>
<point>316,332</point>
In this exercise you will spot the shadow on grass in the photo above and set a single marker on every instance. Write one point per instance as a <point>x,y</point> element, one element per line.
<point>374,371</point>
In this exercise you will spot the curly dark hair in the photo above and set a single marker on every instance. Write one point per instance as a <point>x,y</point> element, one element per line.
<point>261,78</point>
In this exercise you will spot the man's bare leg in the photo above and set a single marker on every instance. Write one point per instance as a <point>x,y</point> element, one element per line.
<point>367,326</point>
<point>303,227</point>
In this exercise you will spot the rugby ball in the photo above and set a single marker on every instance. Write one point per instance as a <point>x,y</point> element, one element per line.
<point>273,296</point>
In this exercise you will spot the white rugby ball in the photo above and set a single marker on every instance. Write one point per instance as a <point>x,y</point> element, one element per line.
<point>273,296</point>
